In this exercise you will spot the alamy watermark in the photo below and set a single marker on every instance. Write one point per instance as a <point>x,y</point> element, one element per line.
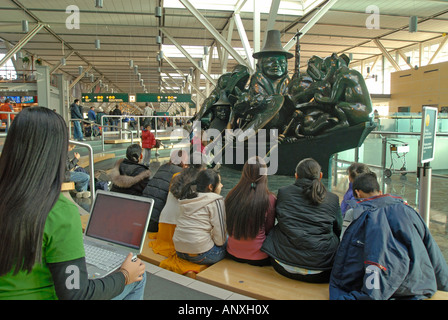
<point>73,20</point>
<point>373,20</point>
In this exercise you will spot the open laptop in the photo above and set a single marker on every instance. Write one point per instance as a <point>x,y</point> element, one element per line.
<point>117,226</point>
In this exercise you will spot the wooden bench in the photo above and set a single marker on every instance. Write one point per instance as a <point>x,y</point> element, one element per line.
<point>118,141</point>
<point>67,186</point>
<point>97,157</point>
<point>264,283</point>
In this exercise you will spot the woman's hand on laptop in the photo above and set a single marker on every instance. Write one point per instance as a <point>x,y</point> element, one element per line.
<point>133,269</point>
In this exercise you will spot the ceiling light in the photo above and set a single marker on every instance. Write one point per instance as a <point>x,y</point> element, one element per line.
<point>25,26</point>
<point>413,24</point>
<point>97,44</point>
<point>98,3</point>
<point>158,12</point>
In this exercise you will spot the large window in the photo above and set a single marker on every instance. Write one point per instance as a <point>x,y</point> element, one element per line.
<point>7,71</point>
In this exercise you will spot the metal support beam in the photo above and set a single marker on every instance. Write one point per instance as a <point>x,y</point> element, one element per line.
<point>215,33</point>
<point>244,39</point>
<point>180,72</point>
<point>441,46</point>
<point>19,45</point>
<point>257,32</point>
<point>275,4</point>
<point>405,58</point>
<point>188,56</point>
<point>56,67</point>
<point>70,87</point>
<point>239,5</point>
<point>224,53</point>
<point>310,23</point>
<point>387,54</point>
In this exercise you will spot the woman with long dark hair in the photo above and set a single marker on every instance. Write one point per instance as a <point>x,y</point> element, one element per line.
<point>250,214</point>
<point>200,234</point>
<point>40,229</point>
<point>303,243</point>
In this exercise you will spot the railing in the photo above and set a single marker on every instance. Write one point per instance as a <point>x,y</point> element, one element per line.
<point>8,123</point>
<point>139,124</point>
<point>91,162</point>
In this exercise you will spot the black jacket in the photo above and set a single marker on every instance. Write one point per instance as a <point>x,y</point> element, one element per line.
<point>129,177</point>
<point>157,189</point>
<point>306,235</point>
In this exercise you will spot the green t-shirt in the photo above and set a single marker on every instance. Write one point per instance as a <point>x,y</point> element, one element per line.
<point>62,241</point>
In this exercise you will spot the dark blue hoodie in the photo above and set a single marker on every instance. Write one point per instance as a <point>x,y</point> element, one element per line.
<point>387,253</point>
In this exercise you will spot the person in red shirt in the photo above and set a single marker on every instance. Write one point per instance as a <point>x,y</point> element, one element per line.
<point>148,142</point>
<point>8,108</point>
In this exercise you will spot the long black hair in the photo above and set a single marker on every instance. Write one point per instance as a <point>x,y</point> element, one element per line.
<point>309,171</point>
<point>32,169</point>
<point>247,203</point>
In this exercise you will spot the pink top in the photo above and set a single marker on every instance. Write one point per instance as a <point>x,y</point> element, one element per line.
<point>250,249</point>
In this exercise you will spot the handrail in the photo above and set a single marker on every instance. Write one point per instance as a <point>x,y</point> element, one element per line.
<point>80,120</point>
<point>9,113</point>
<point>384,135</point>
<point>91,162</point>
<point>138,123</point>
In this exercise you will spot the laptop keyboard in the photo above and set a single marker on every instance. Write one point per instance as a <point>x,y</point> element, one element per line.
<point>103,259</point>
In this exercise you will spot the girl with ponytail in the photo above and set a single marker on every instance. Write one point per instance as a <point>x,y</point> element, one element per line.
<point>303,244</point>
<point>200,234</point>
<point>250,214</point>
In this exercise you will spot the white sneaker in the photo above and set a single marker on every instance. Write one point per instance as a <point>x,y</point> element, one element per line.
<point>86,194</point>
<point>79,194</point>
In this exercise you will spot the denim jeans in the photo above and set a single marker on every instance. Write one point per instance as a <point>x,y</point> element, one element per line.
<point>77,131</point>
<point>133,291</point>
<point>80,179</point>
<point>215,254</point>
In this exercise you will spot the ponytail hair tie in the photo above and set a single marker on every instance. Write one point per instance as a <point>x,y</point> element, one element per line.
<point>253,185</point>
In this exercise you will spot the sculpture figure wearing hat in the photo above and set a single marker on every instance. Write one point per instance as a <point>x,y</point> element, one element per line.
<point>259,106</point>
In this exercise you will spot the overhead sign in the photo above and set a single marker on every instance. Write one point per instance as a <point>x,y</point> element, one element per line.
<point>105,97</point>
<point>161,97</point>
<point>428,134</point>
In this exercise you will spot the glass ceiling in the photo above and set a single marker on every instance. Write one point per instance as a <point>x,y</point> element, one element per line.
<point>287,7</point>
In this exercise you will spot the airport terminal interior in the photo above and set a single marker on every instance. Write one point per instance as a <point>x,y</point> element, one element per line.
<point>172,54</point>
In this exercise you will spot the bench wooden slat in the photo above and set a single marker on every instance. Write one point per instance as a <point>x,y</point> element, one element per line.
<point>84,161</point>
<point>117,141</point>
<point>67,186</point>
<point>260,282</point>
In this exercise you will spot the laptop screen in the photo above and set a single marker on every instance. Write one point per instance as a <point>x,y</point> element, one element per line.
<point>119,219</point>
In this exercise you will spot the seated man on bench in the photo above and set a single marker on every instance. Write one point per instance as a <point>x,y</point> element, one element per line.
<point>387,252</point>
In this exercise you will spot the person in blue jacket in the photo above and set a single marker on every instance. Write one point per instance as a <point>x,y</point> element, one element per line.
<point>387,251</point>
